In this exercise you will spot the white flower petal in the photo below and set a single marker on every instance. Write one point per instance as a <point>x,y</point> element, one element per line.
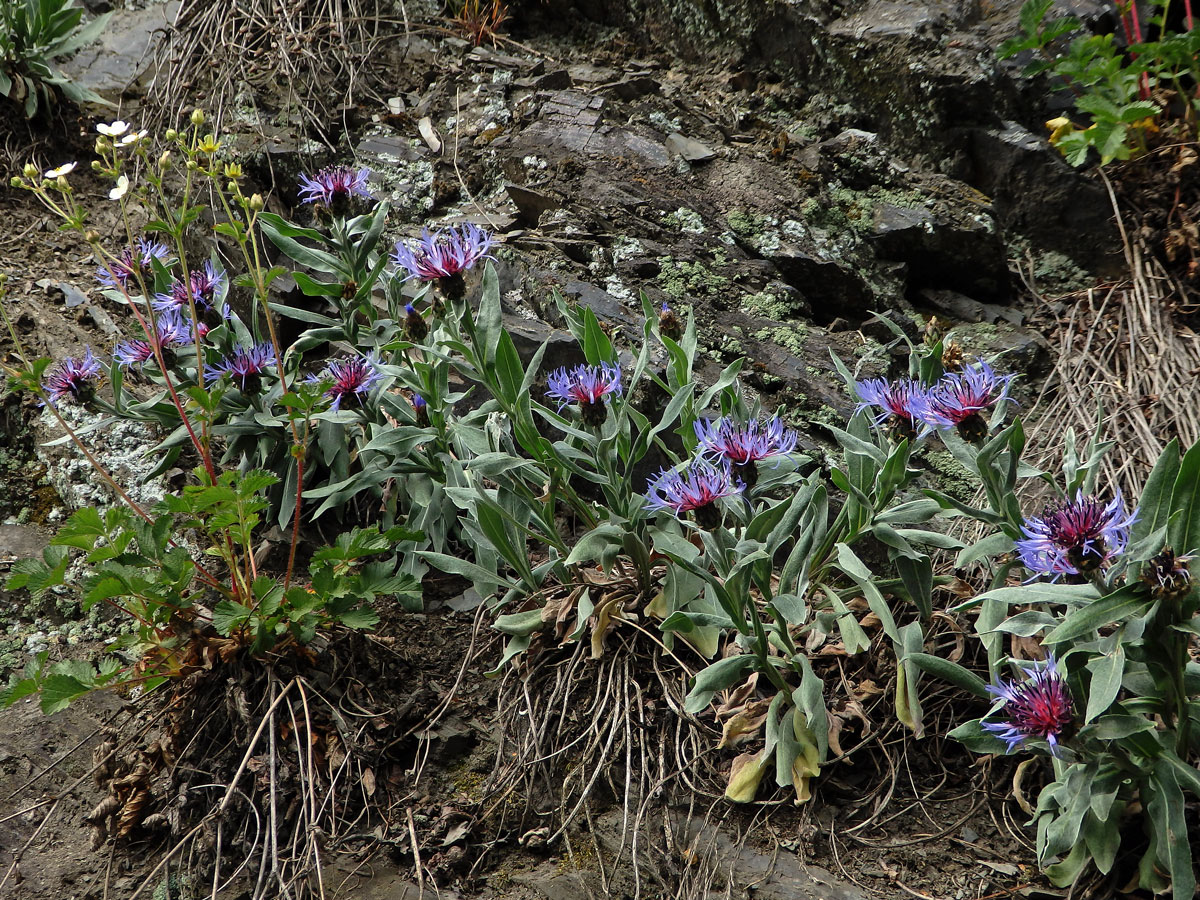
<point>134,137</point>
<point>116,129</point>
<point>120,190</point>
<point>64,169</point>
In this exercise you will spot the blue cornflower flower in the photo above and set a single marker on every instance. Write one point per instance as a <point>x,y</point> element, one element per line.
<point>74,379</point>
<point>697,490</point>
<point>898,402</point>
<point>1037,708</point>
<point>117,273</point>
<point>245,365</point>
<point>742,445</point>
<point>352,378</point>
<point>961,399</point>
<point>171,330</point>
<point>445,254</point>
<point>1075,537</point>
<point>335,185</point>
<point>589,386</point>
<point>207,285</point>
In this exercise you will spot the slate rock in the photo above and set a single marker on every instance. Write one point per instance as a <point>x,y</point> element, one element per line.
<point>1035,192</point>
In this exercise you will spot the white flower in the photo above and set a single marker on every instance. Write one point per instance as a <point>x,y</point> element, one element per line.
<point>116,129</point>
<point>119,191</point>
<point>65,169</point>
<point>134,137</point>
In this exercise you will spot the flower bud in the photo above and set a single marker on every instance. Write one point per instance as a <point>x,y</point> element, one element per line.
<point>669,324</point>
<point>257,203</point>
<point>171,134</point>
<point>192,165</point>
<point>62,183</point>
<point>91,236</point>
<point>197,118</point>
<point>30,170</point>
<point>16,181</point>
<point>102,144</point>
<point>97,165</point>
<point>164,161</point>
<point>231,186</point>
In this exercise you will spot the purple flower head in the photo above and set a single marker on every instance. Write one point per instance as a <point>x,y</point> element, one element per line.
<point>744,444</point>
<point>962,400</point>
<point>1037,708</point>
<point>352,377</point>
<point>588,386</point>
<point>207,284</point>
<point>73,379</point>
<point>897,402</point>
<point>697,490</point>
<point>171,330</point>
<point>1075,537</point>
<point>445,254</point>
<point>133,353</point>
<point>245,365</point>
<point>335,185</point>
<point>117,273</point>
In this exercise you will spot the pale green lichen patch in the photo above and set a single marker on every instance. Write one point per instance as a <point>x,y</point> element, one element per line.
<point>685,220</point>
<point>774,305</point>
<point>682,278</point>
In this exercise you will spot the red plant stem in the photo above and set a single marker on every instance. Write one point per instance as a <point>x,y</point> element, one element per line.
<point>287,578</point>
<point>152,338</point>
<point>1187,14</point>
<point>1144,81</point>
<point>1123,10</point>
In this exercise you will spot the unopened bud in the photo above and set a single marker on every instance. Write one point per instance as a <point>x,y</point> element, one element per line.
<point>62,183</point>
<point>16,181</point>
<point>192,165</point>
<point>30,170</point>
<point>257,203</point>
<point>197,117</point>
<point>102,144</point>
<point>91,236</point>
<point>97,165</point>
<point>171,134</point>
<point>231,186</point>
<point>164,161</point>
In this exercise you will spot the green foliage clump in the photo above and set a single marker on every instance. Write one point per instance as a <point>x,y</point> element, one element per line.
<point>34,33</point>
<point>1114,86</point>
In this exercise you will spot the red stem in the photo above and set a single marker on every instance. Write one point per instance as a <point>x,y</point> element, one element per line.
<point>287,579</point>
<point>1123,9</point>
<point>1144,81</point>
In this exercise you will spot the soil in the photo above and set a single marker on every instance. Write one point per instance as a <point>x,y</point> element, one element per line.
<point>444,798</point>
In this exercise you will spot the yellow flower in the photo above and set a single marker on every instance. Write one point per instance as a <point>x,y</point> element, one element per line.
<point>1059,128</point>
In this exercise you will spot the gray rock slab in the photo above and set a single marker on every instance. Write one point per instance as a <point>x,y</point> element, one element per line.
<point>125,49</point>
<point>21,542</point>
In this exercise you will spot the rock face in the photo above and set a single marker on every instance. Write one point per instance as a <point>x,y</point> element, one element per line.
<point>919,73</point>
<point>804,166</point>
